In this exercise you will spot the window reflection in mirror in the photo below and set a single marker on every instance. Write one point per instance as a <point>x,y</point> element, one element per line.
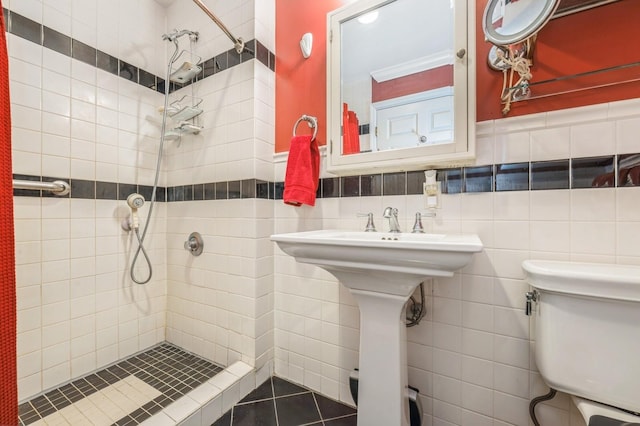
<point>396,69</point>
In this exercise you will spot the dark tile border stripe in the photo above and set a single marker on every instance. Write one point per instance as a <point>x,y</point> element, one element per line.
<point>591,172</point>
<point>35,32</point>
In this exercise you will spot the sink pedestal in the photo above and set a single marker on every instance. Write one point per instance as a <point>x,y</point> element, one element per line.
<point>382,388</point>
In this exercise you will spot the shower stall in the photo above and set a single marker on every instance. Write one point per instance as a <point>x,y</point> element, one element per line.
<point>92,106</point>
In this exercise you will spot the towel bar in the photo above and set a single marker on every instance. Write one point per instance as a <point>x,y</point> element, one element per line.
<point>312,121</point>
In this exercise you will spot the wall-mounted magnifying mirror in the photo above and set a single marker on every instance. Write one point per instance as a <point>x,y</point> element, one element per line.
<point>508,22</point>
<point>397,84</point>
<point>512,25</point>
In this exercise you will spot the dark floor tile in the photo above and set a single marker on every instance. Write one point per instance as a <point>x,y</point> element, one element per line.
<point>25,408</point>
<point>297,410</point>
<point>260,413</point>
<point>162,400</point>
<point>224,420</point>
<point>330,408</point>
<point>282,387</point>
<point>126,421</point>
<point>140,415</point>
<point>264,391</point>
<point>46,411</point>
<point>29,418</point>
<point>343,421</point>
<point>152,407</point>
<point>74,395</point>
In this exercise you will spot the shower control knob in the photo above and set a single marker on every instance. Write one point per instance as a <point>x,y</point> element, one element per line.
<point>195,244</point>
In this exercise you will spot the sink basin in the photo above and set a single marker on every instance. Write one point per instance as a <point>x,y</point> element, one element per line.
<point>381,271</point>
<point>414,256</point>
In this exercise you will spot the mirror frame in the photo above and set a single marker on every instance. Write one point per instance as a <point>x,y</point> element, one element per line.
<point>530,29</point>
<point>460,152</point>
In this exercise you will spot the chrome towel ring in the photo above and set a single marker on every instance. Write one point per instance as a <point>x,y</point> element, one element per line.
<point>311,121</point>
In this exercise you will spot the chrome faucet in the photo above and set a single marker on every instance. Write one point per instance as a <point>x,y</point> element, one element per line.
<point>392,214</point>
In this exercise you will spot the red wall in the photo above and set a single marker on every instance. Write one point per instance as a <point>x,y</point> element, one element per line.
<point>602,37</point>
<point>413,83</point>
<point>301,83</point>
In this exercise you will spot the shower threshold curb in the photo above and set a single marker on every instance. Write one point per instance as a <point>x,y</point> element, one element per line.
<point>209,401</point>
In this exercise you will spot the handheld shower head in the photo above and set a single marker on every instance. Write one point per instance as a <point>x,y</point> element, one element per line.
<point>135,201</point>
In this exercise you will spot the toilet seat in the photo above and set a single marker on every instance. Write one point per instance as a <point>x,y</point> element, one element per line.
<point>588,409</point>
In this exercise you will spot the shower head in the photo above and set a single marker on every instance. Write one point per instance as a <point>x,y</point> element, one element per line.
<point>175,34</point>
<point>135,201</point>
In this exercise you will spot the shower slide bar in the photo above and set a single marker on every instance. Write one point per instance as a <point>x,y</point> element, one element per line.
<point>237,42</point>
<point>58,187</point>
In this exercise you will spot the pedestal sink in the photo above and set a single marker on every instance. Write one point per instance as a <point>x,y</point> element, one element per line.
<point>381,271</point>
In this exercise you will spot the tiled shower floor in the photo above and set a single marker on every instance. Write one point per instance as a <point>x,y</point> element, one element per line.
<point>279,403</point>
<point>126,393</point>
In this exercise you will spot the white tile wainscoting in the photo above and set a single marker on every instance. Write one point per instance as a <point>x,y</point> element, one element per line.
<point>472,356</point>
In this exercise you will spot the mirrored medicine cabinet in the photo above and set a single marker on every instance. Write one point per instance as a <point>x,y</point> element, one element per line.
<point>400,85</point>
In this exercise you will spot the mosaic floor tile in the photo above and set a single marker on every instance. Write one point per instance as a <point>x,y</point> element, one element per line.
<point>126,393</point>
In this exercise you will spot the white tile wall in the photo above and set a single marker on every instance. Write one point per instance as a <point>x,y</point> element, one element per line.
<point>220,305</point>
<point>77,309</point>
<point>471,357</point>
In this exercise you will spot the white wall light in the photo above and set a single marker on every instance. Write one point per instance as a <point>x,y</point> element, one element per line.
<point>306,44</point>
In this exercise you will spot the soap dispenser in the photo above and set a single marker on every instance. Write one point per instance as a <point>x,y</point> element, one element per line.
<point>431,190</point>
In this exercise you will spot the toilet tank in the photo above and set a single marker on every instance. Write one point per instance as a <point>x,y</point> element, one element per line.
<point>587,329</point>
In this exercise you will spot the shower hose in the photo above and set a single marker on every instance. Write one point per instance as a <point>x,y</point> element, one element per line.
<point>139,237</point>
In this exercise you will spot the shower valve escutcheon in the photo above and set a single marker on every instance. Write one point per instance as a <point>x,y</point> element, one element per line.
<point>195,244</point>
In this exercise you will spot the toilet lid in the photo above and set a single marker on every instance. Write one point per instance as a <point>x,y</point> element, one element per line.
<point>608,421</point>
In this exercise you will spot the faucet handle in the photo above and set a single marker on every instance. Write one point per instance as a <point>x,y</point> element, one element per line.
<point>370,226</point>
<point>417,225</point>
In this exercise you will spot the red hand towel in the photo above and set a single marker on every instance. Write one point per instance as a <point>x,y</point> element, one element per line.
<point>350,131</point>
<point>303,170</point>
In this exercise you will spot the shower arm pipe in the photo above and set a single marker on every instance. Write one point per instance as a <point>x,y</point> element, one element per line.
<point>237,42</point>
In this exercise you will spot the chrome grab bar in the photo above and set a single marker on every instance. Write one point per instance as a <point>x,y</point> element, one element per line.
<point>58,187</point>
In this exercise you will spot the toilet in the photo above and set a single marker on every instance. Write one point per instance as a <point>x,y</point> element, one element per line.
<point>587,336</point>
